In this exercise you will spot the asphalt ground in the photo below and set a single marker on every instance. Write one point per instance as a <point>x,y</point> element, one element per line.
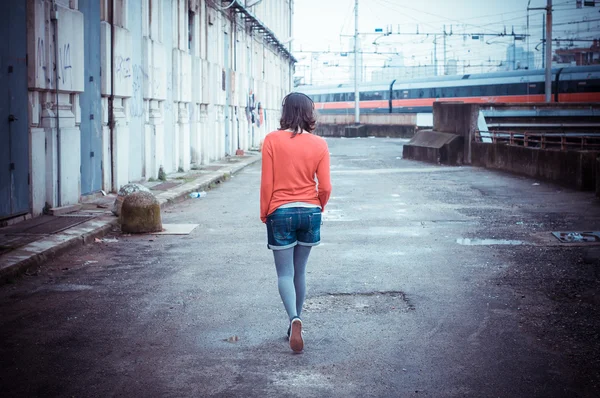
<point>403,298</point>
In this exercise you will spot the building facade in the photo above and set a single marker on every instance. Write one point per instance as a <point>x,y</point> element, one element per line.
<point>99,93</point>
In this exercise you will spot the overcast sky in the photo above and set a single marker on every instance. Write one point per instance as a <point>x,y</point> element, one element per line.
<point>320,25</point>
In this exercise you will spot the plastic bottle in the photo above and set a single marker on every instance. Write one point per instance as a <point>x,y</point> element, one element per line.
<point>198,194</point>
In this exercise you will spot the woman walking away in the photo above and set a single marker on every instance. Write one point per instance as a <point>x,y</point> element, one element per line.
<point>291,201</point>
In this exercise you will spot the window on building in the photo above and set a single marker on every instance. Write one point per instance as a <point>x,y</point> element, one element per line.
<point>114,10</point>
<point>191,31</point>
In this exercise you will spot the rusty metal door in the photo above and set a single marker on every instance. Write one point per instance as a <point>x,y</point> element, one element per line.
<point>90,101</point>
<point>14,135</point>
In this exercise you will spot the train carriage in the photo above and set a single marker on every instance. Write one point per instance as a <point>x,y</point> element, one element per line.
<point>571,84</point>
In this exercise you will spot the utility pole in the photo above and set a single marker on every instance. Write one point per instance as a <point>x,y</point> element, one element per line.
<point>549,51</point>
<point>514,52</point>
<point>435,65</point>
<point>312,56</point>
<point>528,55</point>
<point>445,62</point>
<point>543,41</point>
<point>356,93</point>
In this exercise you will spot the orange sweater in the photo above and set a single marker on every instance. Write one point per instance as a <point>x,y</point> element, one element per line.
<point>289,166</point>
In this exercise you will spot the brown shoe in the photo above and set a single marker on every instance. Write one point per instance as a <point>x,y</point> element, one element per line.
<point>296,341</point>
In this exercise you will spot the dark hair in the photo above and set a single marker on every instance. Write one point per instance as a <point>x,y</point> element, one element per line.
<point>297,114</point>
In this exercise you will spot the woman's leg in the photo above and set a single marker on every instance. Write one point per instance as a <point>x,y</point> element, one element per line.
<point>284,263</point>
<point>300,258</point>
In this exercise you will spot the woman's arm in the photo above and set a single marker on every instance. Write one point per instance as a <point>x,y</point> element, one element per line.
<point>266,179</point>
<point>323,175</point>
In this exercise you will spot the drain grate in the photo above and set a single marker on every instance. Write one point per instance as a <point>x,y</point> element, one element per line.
<point>165,185</point>
<point>11,242</point>
<point>369,302</point>
<point>45,225</point>
<point>578,237</point>
<point>57,224</point>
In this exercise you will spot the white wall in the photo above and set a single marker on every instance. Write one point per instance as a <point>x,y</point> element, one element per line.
<point>169,103</point>
<point>60,154</point>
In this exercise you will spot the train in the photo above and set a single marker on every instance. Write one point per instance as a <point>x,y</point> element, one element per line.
<point>575,84</point>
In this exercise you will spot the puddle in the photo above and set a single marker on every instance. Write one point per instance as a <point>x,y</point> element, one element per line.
<point>488,242</point>
<point>369,302</point>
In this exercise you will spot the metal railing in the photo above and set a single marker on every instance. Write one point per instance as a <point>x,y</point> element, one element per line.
<point>562,141</point>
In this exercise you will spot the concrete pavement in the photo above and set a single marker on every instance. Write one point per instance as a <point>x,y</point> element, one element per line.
<point>36,251</point>
<point>431,281</point>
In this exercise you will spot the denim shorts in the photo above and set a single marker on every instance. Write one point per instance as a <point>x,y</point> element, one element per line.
<point>293,226</point>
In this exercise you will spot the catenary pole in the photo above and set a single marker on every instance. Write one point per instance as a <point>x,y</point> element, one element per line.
<point>548,89</point>
<point>356,93</point>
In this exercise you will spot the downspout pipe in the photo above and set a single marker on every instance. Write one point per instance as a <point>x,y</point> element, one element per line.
<point>111,101</point>
<point>54,19</point>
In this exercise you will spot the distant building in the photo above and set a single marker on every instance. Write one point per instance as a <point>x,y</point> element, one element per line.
<point>518,58</point>
<point>394,68</point>
<point>452,67</point>
<point>578,56</point>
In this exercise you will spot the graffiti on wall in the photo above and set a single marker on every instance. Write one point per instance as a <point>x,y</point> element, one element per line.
<point>254,111</point>
<point>137,107</point>
<point>65,68</point>
<point>41,62</point>
<point>122,67</point>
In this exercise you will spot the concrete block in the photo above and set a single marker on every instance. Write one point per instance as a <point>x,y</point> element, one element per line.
<point>574,169</point>
<point>355,131</point>
<point>435,147</point>
<point>124,191</point>
<point>140,214</point>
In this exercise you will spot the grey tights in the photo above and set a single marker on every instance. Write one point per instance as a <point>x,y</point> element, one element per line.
<point>291,277</point>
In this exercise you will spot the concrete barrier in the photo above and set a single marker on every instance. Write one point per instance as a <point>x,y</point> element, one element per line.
<point>457,118</point>
<point>379,119</point>
<point>349,131</point>
<point>396,125</point>
<point>574,169</point>
<point>598,177</point>
<point>435,147</point>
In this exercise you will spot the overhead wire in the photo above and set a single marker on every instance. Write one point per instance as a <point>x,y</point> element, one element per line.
<point>221,7</point>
